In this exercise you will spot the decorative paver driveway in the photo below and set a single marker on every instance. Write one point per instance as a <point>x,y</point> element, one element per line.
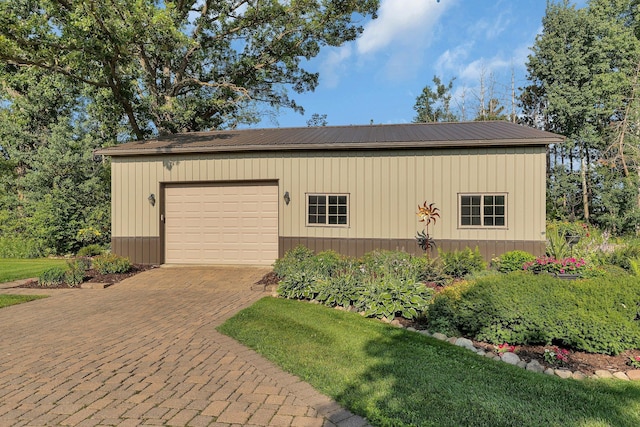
<point>146,352</point>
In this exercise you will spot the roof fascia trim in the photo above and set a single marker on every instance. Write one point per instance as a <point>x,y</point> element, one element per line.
<point>113,151</point>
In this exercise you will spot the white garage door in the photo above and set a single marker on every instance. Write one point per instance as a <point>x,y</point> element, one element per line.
<point>221,224</point>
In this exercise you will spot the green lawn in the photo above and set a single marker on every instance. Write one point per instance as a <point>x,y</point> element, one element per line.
<point>7,300</point>
<point>394,377</point>
<point>14,269</point>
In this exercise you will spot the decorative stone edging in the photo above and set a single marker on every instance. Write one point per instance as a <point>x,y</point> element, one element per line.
<point>533,366</point>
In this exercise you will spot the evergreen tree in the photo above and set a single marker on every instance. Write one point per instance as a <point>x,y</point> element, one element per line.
<point>434,104</point>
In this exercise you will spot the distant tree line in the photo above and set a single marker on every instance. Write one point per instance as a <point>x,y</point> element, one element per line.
<point>583,83</point>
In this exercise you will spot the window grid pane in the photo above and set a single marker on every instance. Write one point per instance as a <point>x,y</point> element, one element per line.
<point>329,209</point>
<point>470,210</point>
<point>482,210</point>
<point>317,210</point>
<point>337,209</point>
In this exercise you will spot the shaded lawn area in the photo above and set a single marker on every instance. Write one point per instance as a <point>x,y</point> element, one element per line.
<point>394,377</point>
<point>15,269</point>
<point>7,300</point>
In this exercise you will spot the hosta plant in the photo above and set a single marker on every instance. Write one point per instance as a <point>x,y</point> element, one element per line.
<point>389,297</point>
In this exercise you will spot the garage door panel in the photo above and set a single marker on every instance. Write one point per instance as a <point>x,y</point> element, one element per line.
<point>221,224</point>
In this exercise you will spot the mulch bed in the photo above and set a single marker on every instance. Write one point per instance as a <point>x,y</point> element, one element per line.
<point>92,276</point>
<point>586,363</point>
<point>269,279</point>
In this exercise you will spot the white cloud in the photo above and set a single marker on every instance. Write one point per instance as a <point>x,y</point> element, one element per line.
<point>476,69</point>
<point>334,65</point>
<point>400,21</point>
<point>491,29</point>
<point>451,59</point>
<point>456,62</point>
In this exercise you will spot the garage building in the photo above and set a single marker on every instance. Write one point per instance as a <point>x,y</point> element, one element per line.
<point>247,196</point>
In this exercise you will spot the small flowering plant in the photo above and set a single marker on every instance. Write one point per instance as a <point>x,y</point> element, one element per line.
<point>505,348</point>
<point>541,264</point>
<point>634,361</point>
<point>556,355</point>
<point>554,266</point>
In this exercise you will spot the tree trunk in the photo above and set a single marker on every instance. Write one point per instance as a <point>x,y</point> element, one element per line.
<point>585,192</point>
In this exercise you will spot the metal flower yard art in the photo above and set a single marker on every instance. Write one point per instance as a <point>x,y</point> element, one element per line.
<point>427,214</point>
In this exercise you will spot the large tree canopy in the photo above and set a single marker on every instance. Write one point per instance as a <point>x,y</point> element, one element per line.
<point>583,73</point>
<point>173,66</point>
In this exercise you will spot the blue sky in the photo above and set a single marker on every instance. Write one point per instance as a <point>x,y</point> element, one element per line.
<point>379,76</point>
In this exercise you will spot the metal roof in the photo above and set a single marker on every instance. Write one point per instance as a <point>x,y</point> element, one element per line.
<point>405,136</point>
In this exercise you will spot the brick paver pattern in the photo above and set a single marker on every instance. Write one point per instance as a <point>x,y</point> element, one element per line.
<point>146,352</point>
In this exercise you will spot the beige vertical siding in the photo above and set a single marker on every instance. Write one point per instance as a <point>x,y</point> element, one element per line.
<point>385,188</point>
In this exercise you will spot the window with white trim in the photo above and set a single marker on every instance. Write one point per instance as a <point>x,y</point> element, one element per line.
<point>328,209</point>
<point>483,210</point>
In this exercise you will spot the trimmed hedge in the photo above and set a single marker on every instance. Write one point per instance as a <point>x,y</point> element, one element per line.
<point>597,315</point>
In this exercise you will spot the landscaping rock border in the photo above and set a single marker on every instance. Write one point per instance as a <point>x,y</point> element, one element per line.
<point>533,366</point>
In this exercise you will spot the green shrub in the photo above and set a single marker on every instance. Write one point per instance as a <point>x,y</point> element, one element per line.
<point>458,264</point>
<point>397,264</point>
<point>298,285</point>
<point>610,271</point>
<point>90,250</point>
<point>111,263</point>
<point>442,312</point>
<point>595,315</point>
<point>291,261</point>
<point>52,276</point>
<point>622,255</point>
<point>300,258</point>
<point>513,261</point>
<point>388,297</point>
<point>482,274</point>
<point>326,264</point>
<point>22,247</point>
<point>84,262</point>
<point>75,273</point>
<point>301,271</point>
<point>340,290</point>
